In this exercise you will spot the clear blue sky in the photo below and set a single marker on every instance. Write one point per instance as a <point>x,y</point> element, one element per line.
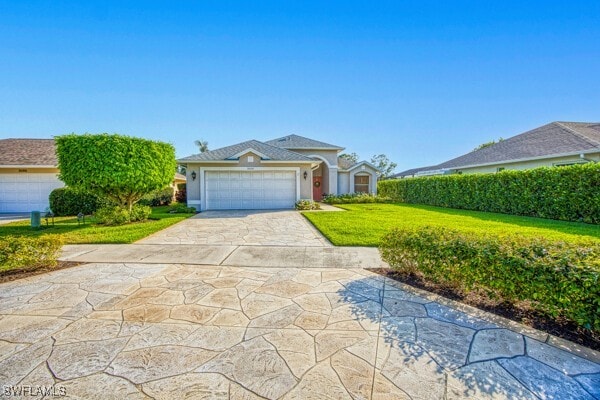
<point>420,81</point>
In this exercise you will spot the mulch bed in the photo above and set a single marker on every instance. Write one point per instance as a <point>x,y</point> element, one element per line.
<point>519,313</point>
<point>14,274</point>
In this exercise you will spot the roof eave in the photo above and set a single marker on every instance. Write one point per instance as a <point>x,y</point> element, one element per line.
<point>573,153</point>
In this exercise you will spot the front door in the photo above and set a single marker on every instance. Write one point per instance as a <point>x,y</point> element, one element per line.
<point>317,188</point>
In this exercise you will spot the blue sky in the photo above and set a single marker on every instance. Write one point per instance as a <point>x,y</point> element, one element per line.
<point>419,81</point>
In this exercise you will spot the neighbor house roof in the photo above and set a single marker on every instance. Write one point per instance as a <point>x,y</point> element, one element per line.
<point>550,140</point>
<point>231,153</point>
<point>26,152</point>
<point>301,142</point>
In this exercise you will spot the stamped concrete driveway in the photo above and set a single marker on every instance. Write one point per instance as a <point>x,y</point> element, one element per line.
<point>114,330</point>
<point>242,228</point>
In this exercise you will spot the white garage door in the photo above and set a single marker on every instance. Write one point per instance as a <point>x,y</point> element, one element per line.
<point>250,190</point>
<point>25,192</point>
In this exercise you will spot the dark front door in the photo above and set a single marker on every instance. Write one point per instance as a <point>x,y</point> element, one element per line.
<point>317,188</point>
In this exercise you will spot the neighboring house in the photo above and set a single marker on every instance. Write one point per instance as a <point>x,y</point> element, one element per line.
<point>28,173</point>
<point>273,174</point>
<point>554,144</point>
<point>177,180</point>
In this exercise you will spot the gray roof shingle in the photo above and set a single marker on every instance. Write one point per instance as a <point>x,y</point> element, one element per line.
<point>301,142</point>
<point>28,152</point>
<point>227,153</point>
<point>548,140</point>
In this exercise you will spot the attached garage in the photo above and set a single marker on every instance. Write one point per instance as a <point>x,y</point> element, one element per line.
<point>250,189</point>
<point>26,192</point>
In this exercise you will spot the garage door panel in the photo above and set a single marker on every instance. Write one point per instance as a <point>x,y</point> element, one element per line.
<point>250,189</point>
<point>25,192</point>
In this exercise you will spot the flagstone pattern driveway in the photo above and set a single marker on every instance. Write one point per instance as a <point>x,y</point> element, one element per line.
<point>259,305</point>
<point>170,331</point>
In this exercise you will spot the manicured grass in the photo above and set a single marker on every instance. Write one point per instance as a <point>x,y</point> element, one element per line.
<point>365,224</point>
<point>72,233</point>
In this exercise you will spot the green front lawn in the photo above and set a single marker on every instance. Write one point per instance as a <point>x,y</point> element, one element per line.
<point>365,224</point>
<point>73,233</point>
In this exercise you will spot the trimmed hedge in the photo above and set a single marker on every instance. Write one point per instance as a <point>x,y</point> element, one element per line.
<point>570,193</point>
<point>557,279</point>
<point>69,201</point>
<point>116,215</point>
<point>307,205</point>
<point>19,252</point>
<point>354,198</point>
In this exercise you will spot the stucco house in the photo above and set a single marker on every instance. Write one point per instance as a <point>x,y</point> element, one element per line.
<point>553,144</point>
<point>272,174</point>
<point>28,173</point>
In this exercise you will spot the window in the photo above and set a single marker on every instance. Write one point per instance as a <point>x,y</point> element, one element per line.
<point>250,159</point>
<point>361,183</point>
<point>499,169</point>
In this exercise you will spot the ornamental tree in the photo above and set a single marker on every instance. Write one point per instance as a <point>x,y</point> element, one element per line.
<point>122,168</point>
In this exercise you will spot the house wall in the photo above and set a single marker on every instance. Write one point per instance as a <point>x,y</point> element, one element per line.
<point>193,186</point>
<point>330,155</point>
<point>549,162</point>
<point>343,182</point>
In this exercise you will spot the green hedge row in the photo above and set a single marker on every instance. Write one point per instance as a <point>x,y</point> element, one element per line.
<point>570,193</point>
<point>557,279</point>
<point>354,198</point>
<point>162,197</point>
<point>69,201</point>
<point>20,252</point>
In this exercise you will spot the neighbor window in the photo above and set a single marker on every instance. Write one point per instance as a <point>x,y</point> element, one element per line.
<point>361,183</point>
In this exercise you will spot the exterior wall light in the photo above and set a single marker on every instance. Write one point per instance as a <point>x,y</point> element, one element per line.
<point>193,175</point>
<point>305,175</point>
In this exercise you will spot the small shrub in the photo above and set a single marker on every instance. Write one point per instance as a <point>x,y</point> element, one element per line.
<point>71,201</point>
<point>354,198</point>
<point>177,208</point>
<point>29,252</point>
<point>307,205</point>
<point>139,213</point>
<point>557,279</point>
<point>157,198</point>
<point>181,195</point>
<point>112,215</point>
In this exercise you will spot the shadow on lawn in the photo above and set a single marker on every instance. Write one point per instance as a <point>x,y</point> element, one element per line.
<point>424,345</point>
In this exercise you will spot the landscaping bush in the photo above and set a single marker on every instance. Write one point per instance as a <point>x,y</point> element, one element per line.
<point>307,205</point>
<point>177,208</point>
<point>181,195</point>
<point>354,198</point>
<point>112,215</point>
<point>555,278</point>
<point>139,213</point>
<point>70,201</point>
<point>570,193</point>
<point>17,252</point>
<point>162,197</point>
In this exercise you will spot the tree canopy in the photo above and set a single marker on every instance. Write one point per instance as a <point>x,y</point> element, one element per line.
<point>487,144</point>
<point>352,157</point>
<point>122,168</point>
<point>384,165</point>
<point>202,145</point>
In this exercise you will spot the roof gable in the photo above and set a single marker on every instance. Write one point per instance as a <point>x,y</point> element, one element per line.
<point>233,152</point>
<point>301,142</point>
<point>40,152</point>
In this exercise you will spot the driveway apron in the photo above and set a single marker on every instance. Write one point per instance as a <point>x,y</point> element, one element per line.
<point>227,327</point>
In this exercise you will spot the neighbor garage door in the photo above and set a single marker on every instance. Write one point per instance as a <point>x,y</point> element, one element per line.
<point>25,192</point>
<point>250,190</point>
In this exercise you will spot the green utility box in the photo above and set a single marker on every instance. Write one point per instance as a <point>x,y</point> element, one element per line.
<point>36,221</point>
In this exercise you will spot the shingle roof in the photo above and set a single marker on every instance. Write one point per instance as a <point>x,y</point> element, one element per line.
<point>301,142</point>
<point>548,140</point>
<point>228,153</point>
<point>28,152</point>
